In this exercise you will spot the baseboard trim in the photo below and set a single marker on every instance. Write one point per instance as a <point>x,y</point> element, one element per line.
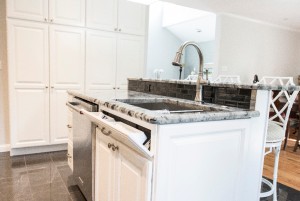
<point>5,148</point>
<point>39,149</point>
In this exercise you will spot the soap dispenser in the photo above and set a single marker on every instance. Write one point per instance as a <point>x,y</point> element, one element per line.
<point>255,80</point>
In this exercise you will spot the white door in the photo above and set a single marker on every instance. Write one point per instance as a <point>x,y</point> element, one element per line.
<point>68,12</point>
<point>28,9</point>
<point>101,51</point>
<point>130,59</point>
<point>131,17</point>
<point>67,51</point>
<point>102,14</point>
<point>134,174</point>
<point>104,169</point>
<point>28,83</point>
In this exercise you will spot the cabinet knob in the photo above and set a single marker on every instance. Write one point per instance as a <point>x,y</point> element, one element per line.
<point>120,29</point>
<point>46,87</point>
<point>69,126</point>
<point>109,145</point>
<point>69,156</point>
<point>115,148</point>
<point>52,87</point>
<point>118,87</point>
<point>51,20</point>
<point>45,19</point>
<point>116,29</point>
<point>114,87</point>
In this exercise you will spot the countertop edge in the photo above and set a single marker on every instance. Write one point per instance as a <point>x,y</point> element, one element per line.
<point>161,119</point>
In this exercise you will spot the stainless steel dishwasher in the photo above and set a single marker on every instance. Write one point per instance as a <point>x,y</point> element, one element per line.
<point>83,146</point>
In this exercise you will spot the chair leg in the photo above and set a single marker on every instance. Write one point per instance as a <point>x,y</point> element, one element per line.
<point>297,141</point>
<point>275,173</point>
<point>287,130</point>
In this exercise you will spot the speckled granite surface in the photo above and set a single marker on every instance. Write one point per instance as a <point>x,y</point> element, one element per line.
<point>210,112</point>
<point>240,86</point>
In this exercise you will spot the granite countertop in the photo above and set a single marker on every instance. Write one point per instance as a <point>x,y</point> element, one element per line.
<point>217,112</point>
<point>240,85</point>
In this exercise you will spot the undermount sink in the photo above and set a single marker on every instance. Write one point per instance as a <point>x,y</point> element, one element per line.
<point>168,105</point>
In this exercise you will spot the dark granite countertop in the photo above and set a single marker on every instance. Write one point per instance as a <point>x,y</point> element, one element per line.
<point>216,113</point>
<point>240,86</point>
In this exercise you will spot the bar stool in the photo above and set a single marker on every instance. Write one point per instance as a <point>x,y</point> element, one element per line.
<point>277,126</point>
<point>231,79</point>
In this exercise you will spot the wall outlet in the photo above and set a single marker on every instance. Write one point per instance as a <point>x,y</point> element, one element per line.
<point>224,68</point>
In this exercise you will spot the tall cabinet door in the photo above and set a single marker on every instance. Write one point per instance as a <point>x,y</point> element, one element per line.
<point>130,59</point>
<point>104,168</point>
<point>29,9</point>
<point>28,83</point>
<point>67,53</point>
<point>134,170</point>
<point>102,14</point>
<point>69,12</point>
<point>101,51</point>
<point>132,17</point>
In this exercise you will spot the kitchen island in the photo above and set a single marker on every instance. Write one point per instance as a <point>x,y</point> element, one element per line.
<point>216,154</point>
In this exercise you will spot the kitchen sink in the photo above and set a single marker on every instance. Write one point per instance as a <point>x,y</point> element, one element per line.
<point>168,105</point>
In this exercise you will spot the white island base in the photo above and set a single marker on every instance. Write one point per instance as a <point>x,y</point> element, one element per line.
<point>200,161</point>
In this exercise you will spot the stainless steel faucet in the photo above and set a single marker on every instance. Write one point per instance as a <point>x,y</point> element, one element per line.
<point>177,62</point>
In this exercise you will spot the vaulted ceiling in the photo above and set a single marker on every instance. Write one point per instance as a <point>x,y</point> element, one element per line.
<point>280,12</point>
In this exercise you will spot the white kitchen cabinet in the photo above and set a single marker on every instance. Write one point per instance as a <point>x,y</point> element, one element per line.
<point>111,58</point>
<point>38,83</point>
<point>101,62</point>
<point>130,58</point>
<point>105,169</point>
<point>131,17</point>
<point>102,14</point>
<point>68,12</point>
<point>30,9</point>
<point>67,49</point>
<point>28,83</point>
<point>121,174</point>
<point>116,15</point>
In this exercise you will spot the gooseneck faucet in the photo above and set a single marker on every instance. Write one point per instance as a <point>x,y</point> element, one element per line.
<point>177,62</point>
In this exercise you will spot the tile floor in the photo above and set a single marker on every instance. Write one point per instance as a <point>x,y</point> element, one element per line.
<point>47,177</point>
<point>37,177</point>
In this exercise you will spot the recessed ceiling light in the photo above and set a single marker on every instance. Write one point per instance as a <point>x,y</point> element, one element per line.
<point>198,30</point>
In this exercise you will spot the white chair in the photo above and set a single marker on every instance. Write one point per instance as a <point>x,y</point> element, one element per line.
<point>277,126</point>
<point>231,79</point>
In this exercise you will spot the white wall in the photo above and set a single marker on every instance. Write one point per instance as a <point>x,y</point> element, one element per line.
<point>162,45</point>
<point>248,47</point>
<point>4,134</point>
<point>191,56</point>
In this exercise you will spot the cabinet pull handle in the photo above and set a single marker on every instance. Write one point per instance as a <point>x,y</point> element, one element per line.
<point>52,87</point>
<point>115,148</point>
<point>104,132</point>
<point>69,126</point>
<point>114,87</point>
<point>46,87</point>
